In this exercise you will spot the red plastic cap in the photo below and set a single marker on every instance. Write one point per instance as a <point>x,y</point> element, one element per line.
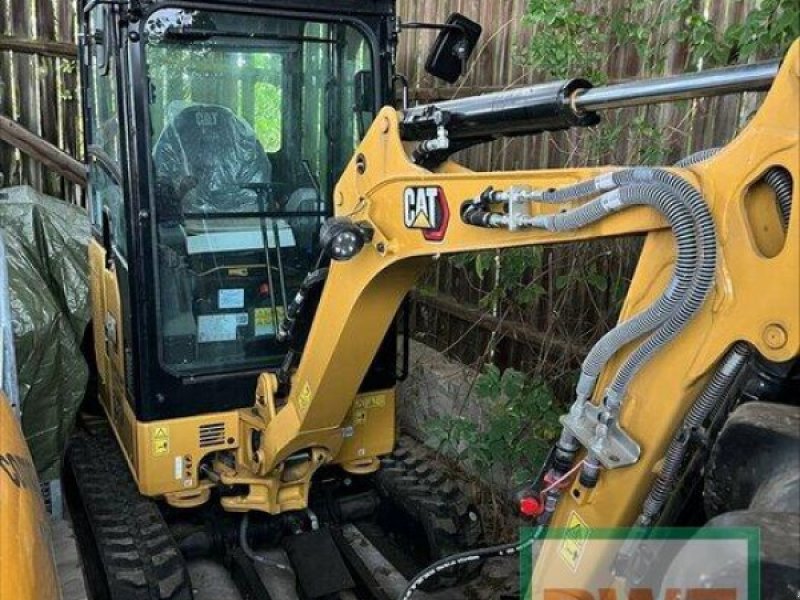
<point>530,506</point>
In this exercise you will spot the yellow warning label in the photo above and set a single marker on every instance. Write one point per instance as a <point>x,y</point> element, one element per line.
<point>304,399</point>
<point>366,402</point>
<point>575,539</point>
<point>160,440</point>
<point>264,320</point>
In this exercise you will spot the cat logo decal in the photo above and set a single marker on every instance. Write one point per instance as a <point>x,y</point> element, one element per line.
<point>426,208</point>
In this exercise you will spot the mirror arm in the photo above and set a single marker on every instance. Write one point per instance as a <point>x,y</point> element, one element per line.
<point>436,26</point>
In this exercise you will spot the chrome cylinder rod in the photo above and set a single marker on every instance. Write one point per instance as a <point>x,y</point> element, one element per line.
<point>714,82</point>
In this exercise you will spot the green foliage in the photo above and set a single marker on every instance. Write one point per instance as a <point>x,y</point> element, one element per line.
<point>268,115</point>
<point>587,273</point>
<point>517,270</point>
<point>521,421</point>
<point>767,30</point>
<point>575,38</point>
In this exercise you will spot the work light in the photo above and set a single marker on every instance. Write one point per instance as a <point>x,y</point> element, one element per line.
<point>342,239</point>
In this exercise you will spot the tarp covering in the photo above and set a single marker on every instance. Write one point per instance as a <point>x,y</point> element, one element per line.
<point>207,156</point>
<point>8,362</point>
<point>46,245</point>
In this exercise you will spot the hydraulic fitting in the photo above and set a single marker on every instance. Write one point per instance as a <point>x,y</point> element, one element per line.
<point>590,473</point>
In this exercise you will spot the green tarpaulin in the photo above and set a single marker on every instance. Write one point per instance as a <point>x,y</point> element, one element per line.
<point>46,249</point>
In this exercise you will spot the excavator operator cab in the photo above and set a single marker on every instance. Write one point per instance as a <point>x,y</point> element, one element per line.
<point>251,121</point>
<point>208,196</point>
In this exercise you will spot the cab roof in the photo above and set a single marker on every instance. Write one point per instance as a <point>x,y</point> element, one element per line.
<point>339,7</point>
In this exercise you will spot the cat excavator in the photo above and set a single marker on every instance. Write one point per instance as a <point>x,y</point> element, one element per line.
<point>260,210</point>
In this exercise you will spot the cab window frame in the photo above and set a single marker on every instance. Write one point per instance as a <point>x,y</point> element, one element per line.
<point>102,63</point>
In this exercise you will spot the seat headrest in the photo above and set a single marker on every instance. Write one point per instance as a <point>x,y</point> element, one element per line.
<point>218,152</point>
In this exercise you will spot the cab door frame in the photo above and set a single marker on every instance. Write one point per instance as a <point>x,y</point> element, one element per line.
<point>102,62</point>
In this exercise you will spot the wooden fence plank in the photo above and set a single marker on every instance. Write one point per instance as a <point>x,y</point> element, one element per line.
<point>69,114</point>
<point>41,151</point>
<point>26,84</point>
<point>41,47</point>
<point>6,97</point>
<point>48,84</point>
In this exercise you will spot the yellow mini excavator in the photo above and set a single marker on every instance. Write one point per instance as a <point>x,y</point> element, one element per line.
<point>259,219</point>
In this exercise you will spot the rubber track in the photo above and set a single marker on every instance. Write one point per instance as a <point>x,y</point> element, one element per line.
<point>409,478</point>
<point>137,551</point>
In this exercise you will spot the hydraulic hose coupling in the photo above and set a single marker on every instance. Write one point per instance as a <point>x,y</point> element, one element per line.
<point>441,143</point>
<point>516,202</point>
<point>286,326</point>
<point>296,306</point>
<point>477,211</point>
<point>564,456</point>
<point>590,473</point>
<point>550,504</point>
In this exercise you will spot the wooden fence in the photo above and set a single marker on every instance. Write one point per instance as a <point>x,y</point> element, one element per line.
<point>39,87</point>
<point>37,65</point>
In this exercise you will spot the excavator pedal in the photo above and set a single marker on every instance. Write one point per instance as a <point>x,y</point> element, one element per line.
<point>320,568</point>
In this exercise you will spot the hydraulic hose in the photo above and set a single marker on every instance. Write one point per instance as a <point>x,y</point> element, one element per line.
<point>694,300</point>
<point>245,545</point>
<point>715,391</point>
<point>470,556</point>
<point>697,157</point>
<point>667,327</point>
<point>680,220</point>
<point>583,189</point>
<point>777,178</point>
<point>780,181</point>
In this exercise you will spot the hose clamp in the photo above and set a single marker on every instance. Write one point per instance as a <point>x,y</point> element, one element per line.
<point>599,431</point>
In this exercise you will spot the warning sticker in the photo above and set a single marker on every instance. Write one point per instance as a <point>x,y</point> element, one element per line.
<point>574,542</point>
<point>265,322</point>
<point>160,441</point>
<point>366,402</point>
<point>231,299</point>
<point>304,399</point>
<point>220,327</point>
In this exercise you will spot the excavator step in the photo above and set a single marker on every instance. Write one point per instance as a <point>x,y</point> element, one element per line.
<point>129,553</point>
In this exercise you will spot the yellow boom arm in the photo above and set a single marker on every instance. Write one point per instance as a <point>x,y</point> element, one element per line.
<point>756,299</point>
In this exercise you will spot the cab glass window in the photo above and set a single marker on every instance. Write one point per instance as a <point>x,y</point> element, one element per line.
<point>252,122</point>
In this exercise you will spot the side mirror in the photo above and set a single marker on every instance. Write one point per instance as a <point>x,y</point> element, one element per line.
<point>453,47</point>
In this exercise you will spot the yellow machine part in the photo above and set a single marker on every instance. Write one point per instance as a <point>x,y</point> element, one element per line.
<point>27,567</point>
<point>164,456</point>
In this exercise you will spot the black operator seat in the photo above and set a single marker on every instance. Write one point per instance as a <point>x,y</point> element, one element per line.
<point>204,159</point>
